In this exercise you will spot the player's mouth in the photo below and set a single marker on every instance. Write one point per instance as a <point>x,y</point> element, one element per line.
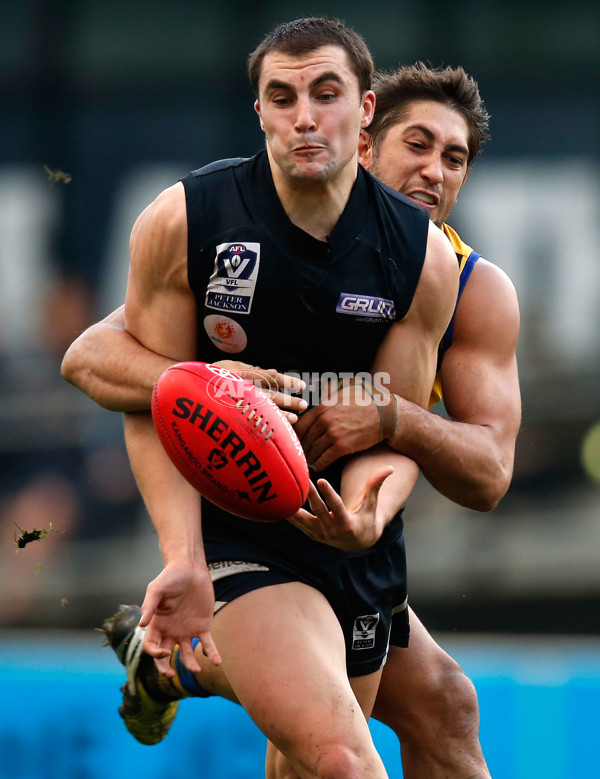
<point>424,198</point>
<point>309,148</point>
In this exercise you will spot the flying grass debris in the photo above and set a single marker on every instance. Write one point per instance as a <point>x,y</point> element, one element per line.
<point>27,536</point>
<point>57,176</point>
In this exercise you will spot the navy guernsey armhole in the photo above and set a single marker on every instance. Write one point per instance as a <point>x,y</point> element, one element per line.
<point>194,212</point>
<point>419,238</point>
<point>194,202</point>
<point>464,277</point>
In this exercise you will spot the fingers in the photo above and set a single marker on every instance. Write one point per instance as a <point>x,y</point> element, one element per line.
<point>374,484</point>
<point>271,378</point>
<point>319,448</point>
<point>325,435</point>
<point>284,394</point>
<point>302,515</point>
<point>282,388</point>
<point>331,502</point>
<point>319,459</point>
<point>160,649</point>
<point>315,449</point>
<point>149,607</point>
<point>376,479</point>
<point>317,503</point>
<point>331,499</point>
<point>188,658</point>
<point>305,427</point>
<point>287,403</point>
<point>266,378</point>
<point>164,666</point>
<point>209,648</point>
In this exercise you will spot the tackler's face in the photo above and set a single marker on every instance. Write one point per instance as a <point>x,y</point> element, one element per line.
<point>424,156</point>
<point>312,111</point>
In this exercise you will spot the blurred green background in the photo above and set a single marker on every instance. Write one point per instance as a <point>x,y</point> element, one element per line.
<point>123,98</point>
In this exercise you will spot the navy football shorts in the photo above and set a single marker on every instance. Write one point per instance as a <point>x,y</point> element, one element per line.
<point>368,594</point>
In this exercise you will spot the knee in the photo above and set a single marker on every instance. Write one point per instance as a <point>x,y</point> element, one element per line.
<point>335,761</point>
<point>341,762</point>
<point>454,703</point>
<point>441,700</point>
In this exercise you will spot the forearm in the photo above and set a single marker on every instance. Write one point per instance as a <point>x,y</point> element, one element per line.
<point>112,368</point>
<point>461,460</point>
<point>172,503</point>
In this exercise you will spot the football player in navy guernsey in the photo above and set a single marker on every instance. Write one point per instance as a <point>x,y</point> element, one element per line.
<point>427,130</point>
<point>301,618</point>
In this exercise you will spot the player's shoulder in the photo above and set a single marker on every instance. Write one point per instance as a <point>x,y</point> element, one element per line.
<point>488,306</point>
<point>483,273</point>
<point>219,179</point>
<point>489,277</point>
<point>220,166</point>
<point>166,213</point>
<point>439,249</point>
<point>159,235</point>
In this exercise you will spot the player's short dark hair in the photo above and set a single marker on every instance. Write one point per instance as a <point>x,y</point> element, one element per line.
<point>304,36</point>
<point>453,87</point>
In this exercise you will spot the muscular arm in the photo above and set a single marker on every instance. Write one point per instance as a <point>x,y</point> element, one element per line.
<point>112,367</point>
<point>116,371</point>
<point>160,313</point>
<point>468,457</point>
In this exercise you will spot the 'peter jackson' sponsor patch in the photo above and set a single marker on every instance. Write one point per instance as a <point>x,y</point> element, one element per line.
<point>233,281</point>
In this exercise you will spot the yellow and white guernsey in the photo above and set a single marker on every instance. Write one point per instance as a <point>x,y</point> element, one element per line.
<point>466,260</point>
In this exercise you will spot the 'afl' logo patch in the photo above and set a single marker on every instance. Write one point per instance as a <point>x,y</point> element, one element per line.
<point>226,334</point>
<point>233,280</point>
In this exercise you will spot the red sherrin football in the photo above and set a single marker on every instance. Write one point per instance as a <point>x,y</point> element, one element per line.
<point>230,441</point>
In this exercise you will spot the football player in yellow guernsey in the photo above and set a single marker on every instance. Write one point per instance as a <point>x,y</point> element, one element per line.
<point>428,128</point>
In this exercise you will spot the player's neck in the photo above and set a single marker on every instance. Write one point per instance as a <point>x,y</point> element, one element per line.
<point>315,206</point>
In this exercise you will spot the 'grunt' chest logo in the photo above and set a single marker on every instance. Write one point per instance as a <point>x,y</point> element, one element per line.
<point>366,306</point>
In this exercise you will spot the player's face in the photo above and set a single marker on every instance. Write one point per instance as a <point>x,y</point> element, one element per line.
<point>311,111</point>
<point>424,156</point>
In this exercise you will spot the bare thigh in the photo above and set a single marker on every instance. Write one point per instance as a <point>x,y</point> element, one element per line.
<point>283,653</point>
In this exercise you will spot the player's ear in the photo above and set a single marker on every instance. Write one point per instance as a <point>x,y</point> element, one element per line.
<point>257,109</point>
<point>367,108</point>
<point>365,149</point>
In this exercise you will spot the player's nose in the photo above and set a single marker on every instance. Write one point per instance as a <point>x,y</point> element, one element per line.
<point>432,169</point>
<point>305,115</point>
